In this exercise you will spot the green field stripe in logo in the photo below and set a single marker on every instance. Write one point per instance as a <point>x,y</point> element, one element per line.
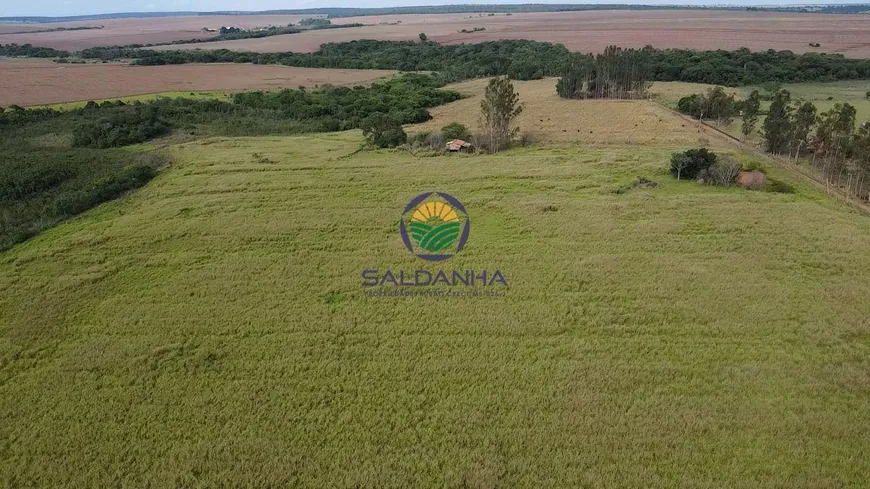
<point>419,231</point>
<point>444,242</point>
<point>440,237</point>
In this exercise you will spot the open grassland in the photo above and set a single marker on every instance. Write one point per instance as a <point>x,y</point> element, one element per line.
<point>549,118</point>
<point>41,82</point>
<point>120,32</point>
<point>593,31</point>
<point>211,329</point>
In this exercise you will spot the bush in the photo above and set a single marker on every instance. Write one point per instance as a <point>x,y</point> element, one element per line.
<point>454,130</point>
<point>724,171</point>
<point>19,182</point>
<point>778,186</point>
<point>427,140</point>
<point>102,189</point>
<point>689,164</point>
<point>527,139</point>
<point>383,131</point>
<point>123,126</point>
<point>754,165</point>
<point>692,105</point>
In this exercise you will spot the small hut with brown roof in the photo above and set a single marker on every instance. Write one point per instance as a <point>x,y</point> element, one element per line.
<point>458,145</point>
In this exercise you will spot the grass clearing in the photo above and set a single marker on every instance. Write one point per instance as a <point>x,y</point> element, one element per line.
<point>551,119</point>
<point>211,329</point>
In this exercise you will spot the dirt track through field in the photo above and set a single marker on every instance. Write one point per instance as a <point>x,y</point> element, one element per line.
<point>36,82</point>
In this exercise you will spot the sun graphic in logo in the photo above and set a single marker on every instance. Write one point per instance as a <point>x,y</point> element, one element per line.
<point>434,226</point>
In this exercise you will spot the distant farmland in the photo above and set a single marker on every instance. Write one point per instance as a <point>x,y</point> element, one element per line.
<point>37,82</point>
<point>593,31</point>
<point>119,32</point>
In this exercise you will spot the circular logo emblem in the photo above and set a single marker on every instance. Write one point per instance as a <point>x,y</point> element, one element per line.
<point>434,226</point>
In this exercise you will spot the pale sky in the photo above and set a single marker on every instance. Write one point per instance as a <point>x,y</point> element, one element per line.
<point>10,8</point>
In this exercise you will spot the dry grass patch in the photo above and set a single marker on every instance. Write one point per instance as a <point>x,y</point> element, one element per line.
<point>552,119</point>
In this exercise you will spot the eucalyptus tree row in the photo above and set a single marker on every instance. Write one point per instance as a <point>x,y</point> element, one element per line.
<point>834,142</point>
<point>617,73</point>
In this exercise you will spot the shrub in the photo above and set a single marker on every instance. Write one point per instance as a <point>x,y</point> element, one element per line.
<point>21,181</point>
<point>527,139</point>
<point>778,186</point>
<point>692,105</point>
<point>383,131</point>
<point>121,126</point>
<point>754,165</point>
<point>724,171</point>
<point>102,189</point>
<point>426,140</point>
<point>688,164</point>
<point>454,130</point>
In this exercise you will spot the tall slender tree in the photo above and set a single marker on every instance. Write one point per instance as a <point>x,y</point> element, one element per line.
<point>777,125</point>
<point>804,120</point>
<point>498,112</point>
<point>751,108</point>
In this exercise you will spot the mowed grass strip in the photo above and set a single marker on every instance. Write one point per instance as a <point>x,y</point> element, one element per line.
<point>211,329</point>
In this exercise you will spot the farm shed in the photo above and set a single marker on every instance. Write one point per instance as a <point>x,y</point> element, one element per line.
<point>458,145</point>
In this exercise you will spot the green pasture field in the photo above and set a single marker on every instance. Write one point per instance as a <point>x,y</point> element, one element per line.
<point>211,329</point>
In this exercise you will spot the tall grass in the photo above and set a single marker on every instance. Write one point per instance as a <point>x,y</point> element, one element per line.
<point>212,330</point>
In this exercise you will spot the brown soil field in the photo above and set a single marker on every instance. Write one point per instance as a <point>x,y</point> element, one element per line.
<point>593,31</point>
<point>7,28</point>
<point>550,119</point>
<point>134,31</point>
<point>38,82</point>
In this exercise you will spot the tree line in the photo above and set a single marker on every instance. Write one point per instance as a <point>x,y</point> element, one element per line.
<point>518,59</point>
<point>616,73</point>
<point>527,60</point>
<point>833,142</point>
<point>31,51</point>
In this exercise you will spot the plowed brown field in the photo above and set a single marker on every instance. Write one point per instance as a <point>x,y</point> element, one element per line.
<point>37,82</point>
<point>119,32</point>
<point>593,31</point>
